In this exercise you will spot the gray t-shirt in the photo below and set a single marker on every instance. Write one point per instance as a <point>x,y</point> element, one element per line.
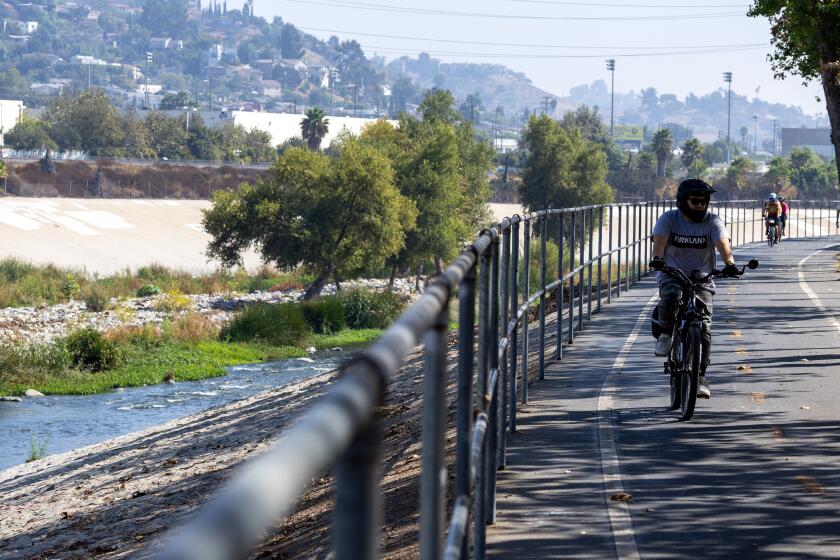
<point>691,245</point>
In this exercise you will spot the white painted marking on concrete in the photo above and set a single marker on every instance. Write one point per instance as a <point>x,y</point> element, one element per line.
<point>16,220</point>
<point>102,219</point>
<point>75,225</point>
<point>815,299</point>
<point>196,227</point>
<point>619,512</point>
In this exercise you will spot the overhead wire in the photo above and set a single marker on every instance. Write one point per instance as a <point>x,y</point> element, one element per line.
<point>407,10</point>
<point>397,50</point>
<point>534,45</point>
<point>669,5</point>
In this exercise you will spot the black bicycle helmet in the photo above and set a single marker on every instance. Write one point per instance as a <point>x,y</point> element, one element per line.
<point>693,187</point>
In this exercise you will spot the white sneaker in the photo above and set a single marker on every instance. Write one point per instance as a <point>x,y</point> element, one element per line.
<point>663,345</point>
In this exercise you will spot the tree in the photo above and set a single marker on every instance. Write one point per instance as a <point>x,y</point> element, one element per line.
<point>87,122</point>
<point>438,105</point>
<point>809,174</point>
<point>283,216</point>
<point>562,169</point>
<point>290,42</point>
<point>692,156</point>
<point>29,134</point>
<point>314,127</point>
<point>164,17</point>
<point>663,144</point>
<point>806,37</point>
<point>736,176</point>
<point>178,100</point>
<point>167,136</point>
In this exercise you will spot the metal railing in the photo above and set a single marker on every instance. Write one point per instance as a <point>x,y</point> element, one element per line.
<point>601,252</point>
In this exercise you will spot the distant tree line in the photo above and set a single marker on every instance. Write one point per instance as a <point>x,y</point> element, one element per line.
<point>90,123</point>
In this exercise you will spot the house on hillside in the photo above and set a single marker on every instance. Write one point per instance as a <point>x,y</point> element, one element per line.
<point>318,76</point>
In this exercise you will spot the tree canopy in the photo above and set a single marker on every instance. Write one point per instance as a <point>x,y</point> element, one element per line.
<point>284,216</point>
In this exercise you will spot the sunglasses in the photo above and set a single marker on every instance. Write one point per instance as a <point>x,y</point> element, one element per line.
<point>697,201</point>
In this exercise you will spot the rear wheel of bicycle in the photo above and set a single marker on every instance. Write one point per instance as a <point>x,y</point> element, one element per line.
<point>691,372</point>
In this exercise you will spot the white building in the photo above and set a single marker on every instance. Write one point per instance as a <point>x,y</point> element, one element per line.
<point>283,126</point>
<point>11,111</point>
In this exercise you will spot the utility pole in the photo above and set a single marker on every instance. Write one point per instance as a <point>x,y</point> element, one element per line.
<point>727,77</point>
<point>545,99</point>
<point>333,78</point>
<point>611,68</point>
<point>755,133</point>
<point>146,93</point>
<point>774,137</point>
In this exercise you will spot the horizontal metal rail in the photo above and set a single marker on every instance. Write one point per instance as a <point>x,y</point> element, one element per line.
<point>343,429</point>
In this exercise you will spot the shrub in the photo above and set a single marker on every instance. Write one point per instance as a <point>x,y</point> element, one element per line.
<point>148,290</point>
<point>325,315</point>
<point>366,309</point>
<point>192,327</point>
<point>90,350</point>
<point>280,324</point>
<point>95,299</point>
<point>14,270</point>
<point>174,301</point>
<point>69,287</point>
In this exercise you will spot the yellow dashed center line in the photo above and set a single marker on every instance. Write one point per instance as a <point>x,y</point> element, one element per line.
<point>758,398</point>
<point>811,485</point>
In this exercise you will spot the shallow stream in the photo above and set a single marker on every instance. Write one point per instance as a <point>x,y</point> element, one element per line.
<point>64,423</point>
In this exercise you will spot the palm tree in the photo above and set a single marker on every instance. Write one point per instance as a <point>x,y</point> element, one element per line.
<point>663,143</point>
<point>692,151</point>
<point>314,127</point>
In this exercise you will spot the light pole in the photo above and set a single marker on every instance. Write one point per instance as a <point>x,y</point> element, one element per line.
<point>774,137</point>
<point>755,133</point>
<point>727,77</point>
<point>611,68</point>
<point>333,78</point>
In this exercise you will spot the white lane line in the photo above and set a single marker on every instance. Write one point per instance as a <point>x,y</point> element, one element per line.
<point>619,511</point>
<point>815,299</point>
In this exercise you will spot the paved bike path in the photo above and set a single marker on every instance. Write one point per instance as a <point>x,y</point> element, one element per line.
<point>755,474</point>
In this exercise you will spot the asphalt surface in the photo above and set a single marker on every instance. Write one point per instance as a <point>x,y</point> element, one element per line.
<point>755,473</point>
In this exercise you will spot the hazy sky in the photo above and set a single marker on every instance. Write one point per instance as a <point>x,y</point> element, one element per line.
<point>541,24</point>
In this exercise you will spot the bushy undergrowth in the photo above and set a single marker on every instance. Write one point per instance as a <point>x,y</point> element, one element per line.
<point>23,283</point>
<point>366,309</point>
<point>88,349</point>
<point>324,315</point>
<point>281,325</point>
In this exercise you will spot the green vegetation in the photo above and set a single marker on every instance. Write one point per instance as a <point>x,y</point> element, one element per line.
<point>26,284</point>
<point>324,315</point>
<point>366,309</point>
<point>38,449</point>
<point>279,325</point>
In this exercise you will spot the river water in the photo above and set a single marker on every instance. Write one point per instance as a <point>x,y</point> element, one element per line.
<point>69,422</point>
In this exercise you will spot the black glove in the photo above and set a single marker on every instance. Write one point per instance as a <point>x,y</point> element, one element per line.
<point>657,263</point>
<point>730,270</point>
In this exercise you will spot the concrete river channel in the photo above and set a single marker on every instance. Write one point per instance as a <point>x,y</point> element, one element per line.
<point>64,423</point>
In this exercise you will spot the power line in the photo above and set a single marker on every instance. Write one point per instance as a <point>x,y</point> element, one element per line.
<point>535,45</point>
<point>405,10</point>
<point>612,5</point>
<point>397,50</point>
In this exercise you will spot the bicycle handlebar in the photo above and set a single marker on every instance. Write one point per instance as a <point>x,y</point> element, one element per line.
<point>694,280</point>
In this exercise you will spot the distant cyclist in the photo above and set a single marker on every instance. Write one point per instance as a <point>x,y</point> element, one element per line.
<point>785,212</point>
<point>686,239</point>
<point>772,209</point>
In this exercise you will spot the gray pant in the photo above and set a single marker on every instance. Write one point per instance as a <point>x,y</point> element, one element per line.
<point>670,298</point>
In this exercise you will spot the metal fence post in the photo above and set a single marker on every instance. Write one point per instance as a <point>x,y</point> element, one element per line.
<point>466,341</point>
<point>543,235</point>
<point>589,266</point>
<point>582,266</point>
<point>572,231</point>
<point>627,265</point>
<point>356,523</point>
<point>560,292</point>
<point>433,475</point>
<point>503,369</point>
<point>481,482</point>
<point>600,252</point>
<point>493,412</point>
<point>514,307</point>
<point>637,247</point>
<point>526,294</point>
<point>610,258</point>
<point>618,253</point>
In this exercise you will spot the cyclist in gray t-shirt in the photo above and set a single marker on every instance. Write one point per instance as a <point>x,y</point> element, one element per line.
<point>686,239</point>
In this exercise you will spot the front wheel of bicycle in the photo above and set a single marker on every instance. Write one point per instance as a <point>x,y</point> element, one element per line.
<point>690,373</point>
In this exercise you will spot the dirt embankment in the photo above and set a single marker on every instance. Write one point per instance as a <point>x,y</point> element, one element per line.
<point>118,498</point>
<point>109,179</point>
